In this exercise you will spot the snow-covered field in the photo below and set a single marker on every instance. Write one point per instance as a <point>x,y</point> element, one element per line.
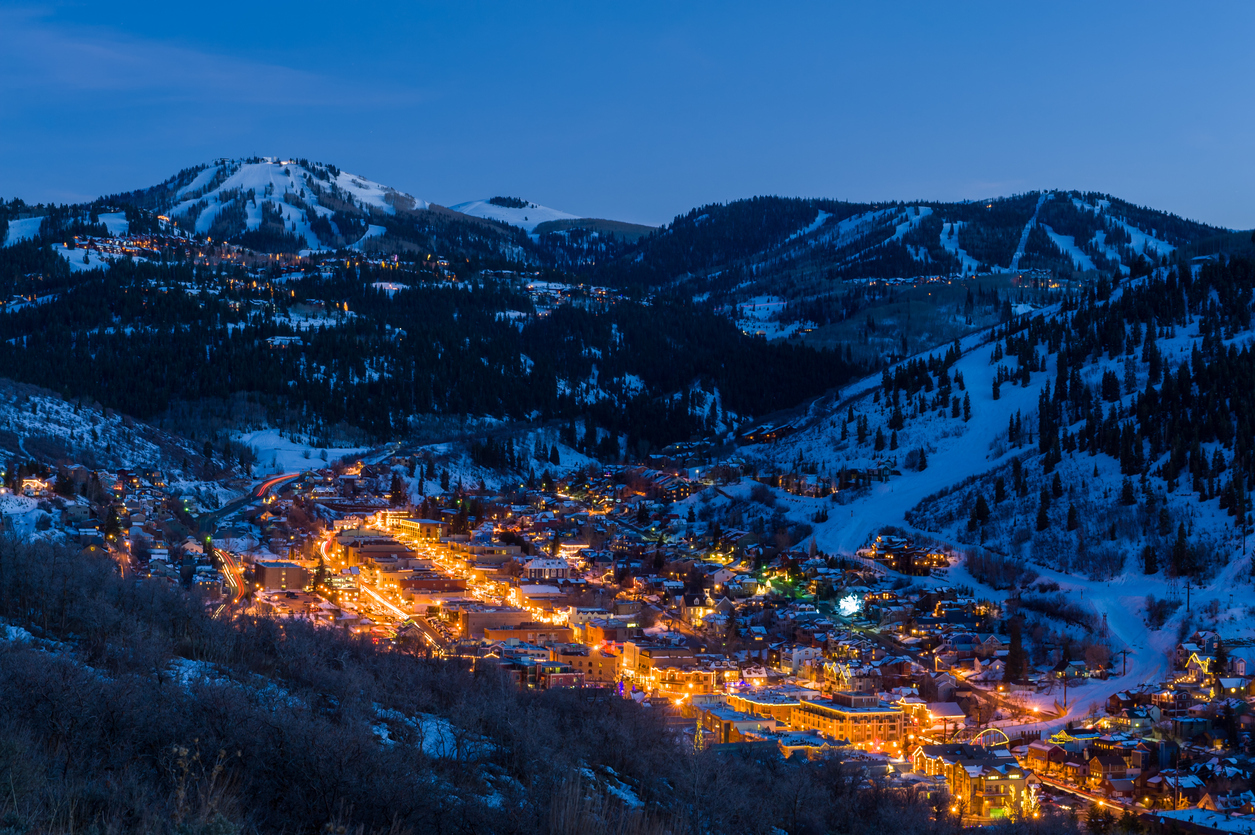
<point>22,230</point>
<point>527,218</point>
<point>279,454</point>
<point>22,513</point>
<point>82,259</point>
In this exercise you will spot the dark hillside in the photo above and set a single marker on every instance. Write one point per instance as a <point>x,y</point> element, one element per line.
<point>126,708</point>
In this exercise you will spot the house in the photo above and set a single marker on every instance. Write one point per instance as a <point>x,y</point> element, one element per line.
<point>1170,789</point>
<point>1117,787</point>
<point>35,487</point>
<point>990,645</point>
<point>1074,769</point>
<point>1045,757</point>
<point>1106,767</point>
<point>695,607</point>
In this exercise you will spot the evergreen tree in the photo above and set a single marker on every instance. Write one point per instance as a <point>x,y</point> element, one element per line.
<point>1073,521</point>
<point>1150,560</point>
<point>981,510</point>
<point>1016,663</point>
<point>1000,490</point>
<point>1180,553</point>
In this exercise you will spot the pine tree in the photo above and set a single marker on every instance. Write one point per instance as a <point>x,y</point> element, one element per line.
<point>1000,490</point>
<point>1016,663</point>
<point>967,407</point>
<point>1180,553</point>
<point>923,460</point>
<point>880,439</point>
<point>893,440</point>
<point>1056,487</point>
<point>1043,513</point>
<point>1150,560</point>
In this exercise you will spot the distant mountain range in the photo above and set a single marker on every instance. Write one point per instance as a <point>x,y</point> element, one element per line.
<point>738,249</point>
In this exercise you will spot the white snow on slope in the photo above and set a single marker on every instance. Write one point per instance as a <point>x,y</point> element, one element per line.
<point>1019,250</point>
<point>1067,243</point>
<point>951,242</point>
<point>372,232</point>
<point>116,223</point>
<point>277,454</point>
<point>1141,242</point>
<point>912,220</point>
<point>270,181</point>
<point>814,224</point>
<point>527,219</point>
<point>74,257</point>
<point>22,230</point>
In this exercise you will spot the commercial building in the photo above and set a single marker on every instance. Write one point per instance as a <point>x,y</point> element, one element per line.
<point>280,576</point>
<point>427,530</point>
<point>859,718</point>
<point>598,666</point>
<point>472,621</point>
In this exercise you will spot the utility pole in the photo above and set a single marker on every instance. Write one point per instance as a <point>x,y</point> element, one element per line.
<point>1124,668</point>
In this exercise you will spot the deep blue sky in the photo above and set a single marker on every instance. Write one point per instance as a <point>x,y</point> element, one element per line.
<point>642,111</point>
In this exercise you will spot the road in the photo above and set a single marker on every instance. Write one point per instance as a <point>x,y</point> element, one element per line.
<point>208,523</point>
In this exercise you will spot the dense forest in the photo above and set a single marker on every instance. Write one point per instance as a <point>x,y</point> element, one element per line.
<point>325,353</point>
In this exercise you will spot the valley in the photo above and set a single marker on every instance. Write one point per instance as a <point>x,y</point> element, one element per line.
<point>935,494</point>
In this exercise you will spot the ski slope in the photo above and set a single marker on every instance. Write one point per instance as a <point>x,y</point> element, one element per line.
<point>287,187</point>
<point>527,218</point>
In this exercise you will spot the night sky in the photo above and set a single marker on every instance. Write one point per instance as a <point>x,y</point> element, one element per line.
<point>642,111</point>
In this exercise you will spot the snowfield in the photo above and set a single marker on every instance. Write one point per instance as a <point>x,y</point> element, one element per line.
<point>277,454</point>
<point>22,230</point>
<point>527,218</point>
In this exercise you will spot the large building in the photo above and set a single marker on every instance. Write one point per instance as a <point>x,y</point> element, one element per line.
<point>280,576</point>
<point>858,718</point>
<point>984,781</point>
<point>599,666</point>
<point>428,530</point>
<point>473,620</point>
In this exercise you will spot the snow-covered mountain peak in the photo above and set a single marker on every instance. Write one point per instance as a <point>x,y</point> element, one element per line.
<point>512,211</point>
<point>296,196</point>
